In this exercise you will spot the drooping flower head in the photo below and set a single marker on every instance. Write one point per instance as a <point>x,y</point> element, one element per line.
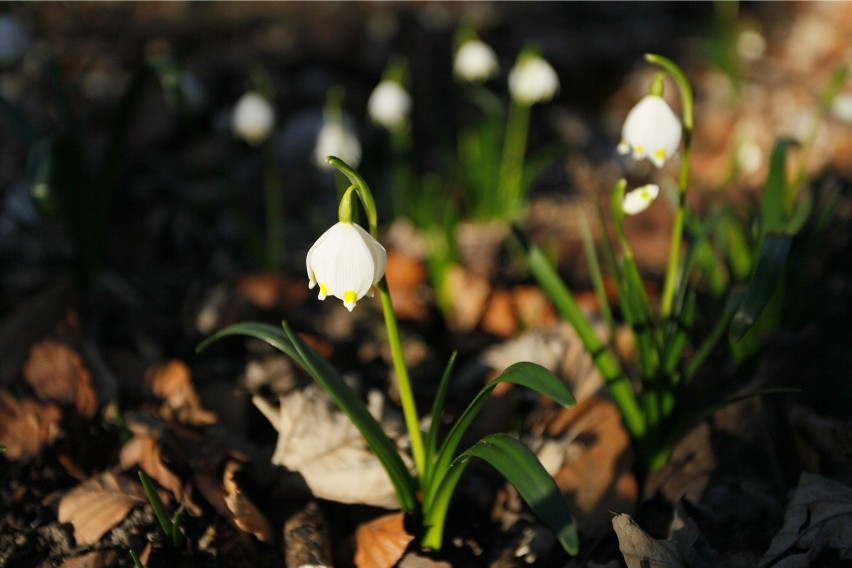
<point>389,104</point>
<point>346,262</point>
<point>253,118</point>
<point>651,130</point>
<point>475,61</point>
<point>532,80</point>
<point>336,138</point>
<point>640,198</point>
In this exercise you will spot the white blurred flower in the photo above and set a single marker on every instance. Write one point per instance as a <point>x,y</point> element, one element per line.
<point>842,107</point>
<point>389,105</point>
<point>335,138</point>
<point>14,41</point>
<point>640,198</point>
<point>253,118</point>
<point>346,262</point>
<point>651,131</point>
<point>475,61</point>
<point>532,80</point>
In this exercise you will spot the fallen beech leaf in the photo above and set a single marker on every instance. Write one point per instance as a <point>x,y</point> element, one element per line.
<point>98,504</point>
<point>321,443</point>
<point>25,426</point>
<point>172,382</point>
<point>247,516</point>
<point>56,373</point>
<point>596,473</point>
<point>818,517</point>
<point>642,551</point>
<point>381,542</point>
<point>499,318</point>
<point>406,277</point>
<point>533,307</point>
<point>143,451</point>
<point>306,538</point>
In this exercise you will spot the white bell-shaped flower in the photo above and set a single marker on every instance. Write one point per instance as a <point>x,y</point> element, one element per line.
<point>253,118</point>
<point>640,198</point>
<point>651,130</point>
<point>336,138</point>
<point>389,104</point>
<point>532,80</point>
<point>475,62</point>
<point>346,262</point>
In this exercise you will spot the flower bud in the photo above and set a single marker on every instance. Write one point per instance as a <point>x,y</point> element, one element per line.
<point>640,198</point>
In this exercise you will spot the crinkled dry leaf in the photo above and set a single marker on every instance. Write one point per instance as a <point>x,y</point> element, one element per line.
<point>596,470</point>
<point>381,542</point>
<point>306,538</point>
<point>172,382</point>
<point>469,293</point>
<point>818,517</point>
<point>98,504</point>
<point>56,373</point>
<point>247,516</point>
<point>25,426</point>
<point>143,451</point>
<point>642,551</point>
<point>321,443</point>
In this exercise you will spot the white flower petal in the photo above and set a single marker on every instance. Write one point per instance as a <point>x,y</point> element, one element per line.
<point>253,118</point>
<point>640,198</point>
<point>389,104</point>
<point>475,62</point>
<point>651,130</point>
<point>346,262</point>
<point>533,80</point>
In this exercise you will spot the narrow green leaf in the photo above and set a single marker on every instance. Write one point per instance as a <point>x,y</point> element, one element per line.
<point>773,209</point>
<point>435,425</point>
<point>342,394</point>
<point>519,465</point>
<point>525,374</point>
<point>767,272</point>
<point>595,272</point>
<point>169,526</point>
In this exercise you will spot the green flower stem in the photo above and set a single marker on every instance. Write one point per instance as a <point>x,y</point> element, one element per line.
<point>670,281</point>
<point>406,393</point>
<point>511,171</point>
<point>274,210</point>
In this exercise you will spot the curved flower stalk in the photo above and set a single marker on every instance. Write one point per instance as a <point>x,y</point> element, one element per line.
<point>475,62</point>
<point>253,118</point>
<point>346,262</point>
<point>651,131</point>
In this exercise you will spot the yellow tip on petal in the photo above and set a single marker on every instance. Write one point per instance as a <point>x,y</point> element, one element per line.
<point>661,154</point>
<point>349,299</point>
<point>323,291</point>
<point>639,149</point>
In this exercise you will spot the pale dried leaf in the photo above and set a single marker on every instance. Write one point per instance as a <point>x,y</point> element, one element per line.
<point>56,373</point>
<point>642,551</point>
<point>172,382</point>
<point>818,517</point>
<point>247,516</point>
<point>321,443</point>
<point>97,505</point>
<point>381,542</point>
<point>26,426</point>
<point>93,559</point>
<point>143,451</point>
<point>469,294</point>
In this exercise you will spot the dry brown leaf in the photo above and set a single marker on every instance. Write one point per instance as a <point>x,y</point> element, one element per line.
<point>818,517</point>
<point>56,373</point>
<point>98,504</point>
<point>93,559</point>
<point>468,292</point>
<point>381,542</point>
<point>25,426</point>
<point>597,462</point>
<point>642,551</point>
<point>321,443</point>
<point>533,307</point>
<point>143,451</point>
<point>172,382</point>
<point>267,290</point>
<point>499,318</point>
<point>406,277</point>
<point>247,516</point>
